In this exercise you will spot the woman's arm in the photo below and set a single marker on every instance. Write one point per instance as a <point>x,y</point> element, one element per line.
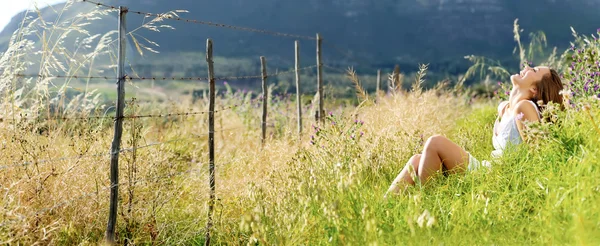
<point>525,111</point>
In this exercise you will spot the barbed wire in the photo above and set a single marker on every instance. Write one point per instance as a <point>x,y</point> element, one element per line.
<point>177,114</point>
<point>27,163</point>
<point>123,150</point>
<point>124,117</point>
<point>100,4</point>
<point>335,68</point>
<point>20,75</point>
<point>248,29</point>
<point>56,118</point>
<point>173,17</point>
<point>127,77</point>
<point>221,78</point>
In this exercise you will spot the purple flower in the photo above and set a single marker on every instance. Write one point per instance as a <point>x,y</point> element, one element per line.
<point>225,82</point>
<point>362,133</point>
<point>330,113</point>
<point>598,30</point>
<point>596,87</point>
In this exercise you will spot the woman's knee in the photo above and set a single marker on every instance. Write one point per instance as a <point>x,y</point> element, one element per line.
<point>434,142</point>
<point>414,160</point>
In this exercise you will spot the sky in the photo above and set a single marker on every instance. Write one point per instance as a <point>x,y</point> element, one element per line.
<point>9,8</point>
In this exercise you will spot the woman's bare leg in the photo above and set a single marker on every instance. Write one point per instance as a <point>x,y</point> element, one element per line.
<point>440,151</point>
<point>404,179</point>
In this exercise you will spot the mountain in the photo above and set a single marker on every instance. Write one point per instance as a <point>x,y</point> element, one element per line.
<point>368,34</point>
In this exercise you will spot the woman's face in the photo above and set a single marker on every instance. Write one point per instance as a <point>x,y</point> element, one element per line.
<point>529,76</point>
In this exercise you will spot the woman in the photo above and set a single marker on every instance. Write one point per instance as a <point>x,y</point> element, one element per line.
<point>530,86</point>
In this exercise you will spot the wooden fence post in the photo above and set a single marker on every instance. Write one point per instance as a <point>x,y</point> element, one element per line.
<point>378,84</point>
<point>396,78</point>
<point>116,143</point>
<point>321,113</point>
<point>298,95</point>
<point>211,136</point>
<point>263,66</point>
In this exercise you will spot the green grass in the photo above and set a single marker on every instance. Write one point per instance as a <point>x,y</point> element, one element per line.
<point>543,196</point>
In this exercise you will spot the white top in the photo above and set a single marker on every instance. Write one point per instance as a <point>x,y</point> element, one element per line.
<point>505,129</point>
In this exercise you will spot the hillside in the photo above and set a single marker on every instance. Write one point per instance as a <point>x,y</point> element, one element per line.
<point>378,33</point>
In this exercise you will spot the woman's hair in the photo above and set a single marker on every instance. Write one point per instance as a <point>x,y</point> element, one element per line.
<point>548,90</point>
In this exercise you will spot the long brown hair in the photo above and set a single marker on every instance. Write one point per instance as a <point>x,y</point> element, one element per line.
<point>548,90</point>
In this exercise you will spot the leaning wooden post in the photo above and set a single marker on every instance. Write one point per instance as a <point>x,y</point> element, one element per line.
<point>378,83</point>
<point>211,136</point>
<point>321,113</point>
<point>396,78</point>
<point>298,95</point>
<point>116,143</point>
<point>263,66</point>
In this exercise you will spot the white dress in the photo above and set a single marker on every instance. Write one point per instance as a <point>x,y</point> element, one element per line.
<point>505,133</point>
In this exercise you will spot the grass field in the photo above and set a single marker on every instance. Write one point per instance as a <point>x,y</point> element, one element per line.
<point>326,187</point>
<point>291,192</point>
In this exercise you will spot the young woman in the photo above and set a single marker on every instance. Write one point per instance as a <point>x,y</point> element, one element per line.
<point>529,86</point>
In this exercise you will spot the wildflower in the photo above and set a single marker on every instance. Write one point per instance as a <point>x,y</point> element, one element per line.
<point>586,87</point>
<point>225,82</point>
<point>330,114</point>
<point>362,133</point>
<point>596,87</point>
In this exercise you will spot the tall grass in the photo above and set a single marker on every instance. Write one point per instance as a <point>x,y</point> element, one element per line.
<point>326,189</point>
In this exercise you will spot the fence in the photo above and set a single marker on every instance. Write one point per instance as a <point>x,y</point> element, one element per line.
<point>121,78</point>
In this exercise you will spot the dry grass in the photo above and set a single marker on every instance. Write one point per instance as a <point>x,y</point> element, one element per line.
<point>170,180</point>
